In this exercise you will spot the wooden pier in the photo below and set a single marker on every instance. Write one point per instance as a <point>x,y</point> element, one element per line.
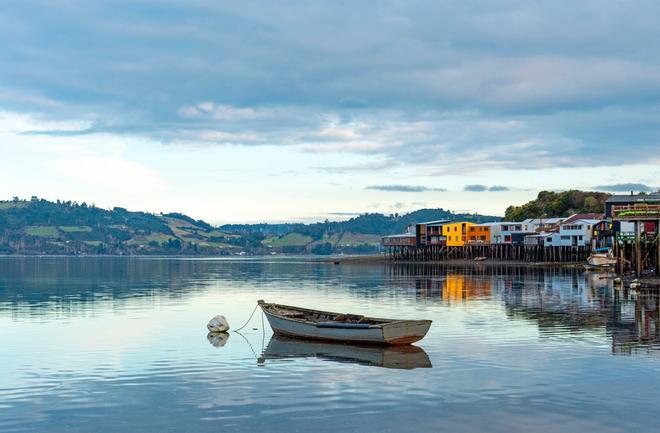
<point>521,253</point>
<point>638,253</point>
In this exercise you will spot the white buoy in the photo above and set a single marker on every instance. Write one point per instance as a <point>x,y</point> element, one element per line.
<point>218,324</point>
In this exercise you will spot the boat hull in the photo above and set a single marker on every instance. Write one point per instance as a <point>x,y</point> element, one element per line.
<point>393,333</point>
<point>601,260</point>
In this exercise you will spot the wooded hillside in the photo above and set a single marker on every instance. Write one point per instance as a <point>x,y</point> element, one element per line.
<point>558,204</point>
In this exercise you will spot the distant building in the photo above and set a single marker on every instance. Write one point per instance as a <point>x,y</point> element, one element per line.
<point>629,201</point>
<point>583,216</point>
<point>456,233</point>
<point>576,233</point>
<point>479,234</point>
<point>430,232</point>
<point>506,232</point>
<point>531,225</point>
<point>402,240</point>
<point>543,239</point>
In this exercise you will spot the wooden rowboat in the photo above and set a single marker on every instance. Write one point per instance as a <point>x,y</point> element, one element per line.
<point>323,325</point>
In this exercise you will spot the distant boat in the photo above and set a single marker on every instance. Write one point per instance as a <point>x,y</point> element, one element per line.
<point>399,357</point>
<point>324,325</point>
<point>601,260</point>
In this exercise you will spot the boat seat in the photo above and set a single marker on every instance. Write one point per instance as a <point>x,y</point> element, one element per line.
<point>293,314</point>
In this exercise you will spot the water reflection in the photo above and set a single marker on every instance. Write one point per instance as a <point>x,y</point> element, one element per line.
<point>635,323</point>
<point>90,339</point>
<point>217,339</point>
<point>559,300</point>
<point>398,357</point>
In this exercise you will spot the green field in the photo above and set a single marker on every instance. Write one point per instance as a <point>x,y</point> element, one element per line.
<point>76,229</point>
<point>152,237</point>
<point>218,233</point>
<point>93,243</point>
<point>289,240</point>
<point>216,245</point>
<point>349,239</point>
<point>42,231</point>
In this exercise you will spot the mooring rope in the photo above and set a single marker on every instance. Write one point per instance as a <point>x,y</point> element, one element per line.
<point>248,320</point>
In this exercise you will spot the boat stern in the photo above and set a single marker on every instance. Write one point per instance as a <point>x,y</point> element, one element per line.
<point>406,331</point>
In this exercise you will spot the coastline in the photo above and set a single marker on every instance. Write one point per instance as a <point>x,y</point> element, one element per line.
<point>381,260</point>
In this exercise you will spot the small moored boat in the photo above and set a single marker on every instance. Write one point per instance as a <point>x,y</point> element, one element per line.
<point>324,325</point>
<point>602,258</point>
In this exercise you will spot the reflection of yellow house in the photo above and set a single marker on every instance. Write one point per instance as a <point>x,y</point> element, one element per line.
<point>479,235</point>
<point>456,233</point>
<point>453,290</point>
<point>458,288</point>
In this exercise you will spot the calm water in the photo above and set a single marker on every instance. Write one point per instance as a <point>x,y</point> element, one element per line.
<point>120,345</point>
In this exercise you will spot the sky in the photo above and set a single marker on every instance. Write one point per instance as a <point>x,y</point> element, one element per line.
<point>300,111</point>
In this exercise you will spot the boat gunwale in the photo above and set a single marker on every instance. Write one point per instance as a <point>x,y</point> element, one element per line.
<point>387,322</point>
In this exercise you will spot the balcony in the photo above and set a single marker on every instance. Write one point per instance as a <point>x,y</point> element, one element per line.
<point>636,212</point>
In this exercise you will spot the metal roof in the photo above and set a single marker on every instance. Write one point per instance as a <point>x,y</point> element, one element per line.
<point>402,235</point>
<point>586,220</point>
<point>584,216</point>
<point>507,223</point>
<point>437,222</point>
<point>550,220</point>
<point>637,198</point>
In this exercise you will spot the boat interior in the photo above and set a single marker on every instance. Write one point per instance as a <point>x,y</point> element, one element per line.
<point>315,316</point>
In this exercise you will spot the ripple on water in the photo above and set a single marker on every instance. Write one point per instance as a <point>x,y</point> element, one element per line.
<point>88,342</point>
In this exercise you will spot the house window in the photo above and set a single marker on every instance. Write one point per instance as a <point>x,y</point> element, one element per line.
<point>507,238</point>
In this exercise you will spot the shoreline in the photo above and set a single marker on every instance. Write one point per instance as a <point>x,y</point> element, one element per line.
<point>380,259</point>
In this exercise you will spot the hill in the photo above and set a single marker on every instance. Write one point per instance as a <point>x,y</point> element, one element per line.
<point>39,226</point>
<point>357,235</point>
<point>558,204</point>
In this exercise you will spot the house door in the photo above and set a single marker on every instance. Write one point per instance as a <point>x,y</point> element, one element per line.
<point>575,240</point>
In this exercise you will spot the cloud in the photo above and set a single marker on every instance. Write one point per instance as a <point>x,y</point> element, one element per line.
<point>625,187</point>
<point>481,188</point>
<point>475,188</point>
<point>404,188</point>
<point>512,86</point>
<point>345,213</point>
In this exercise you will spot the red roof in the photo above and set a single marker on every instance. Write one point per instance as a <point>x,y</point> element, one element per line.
<point>583,216</point>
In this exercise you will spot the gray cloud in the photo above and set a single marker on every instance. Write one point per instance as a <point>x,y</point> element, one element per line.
<point>475,188</point>
<point>345,213</point>
<point>517,85</point>
<point>481,188</point>
<point>625,187</point>
<point>404,188</point>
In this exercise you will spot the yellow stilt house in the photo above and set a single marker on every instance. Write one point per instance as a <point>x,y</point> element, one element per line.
<point>456,233</point>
